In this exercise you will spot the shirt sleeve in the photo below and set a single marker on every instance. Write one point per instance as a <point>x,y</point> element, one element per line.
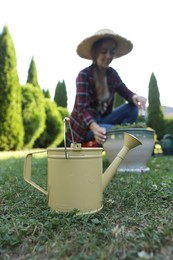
<point>120,87</point>
<point>83,98</point>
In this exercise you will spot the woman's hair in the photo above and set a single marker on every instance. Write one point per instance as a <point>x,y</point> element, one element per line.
<point>96,45</point>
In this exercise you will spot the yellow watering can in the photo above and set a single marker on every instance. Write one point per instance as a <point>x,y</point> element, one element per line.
<point>75,178</point>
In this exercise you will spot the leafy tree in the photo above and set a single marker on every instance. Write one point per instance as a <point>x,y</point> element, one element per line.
<point>155,114</point>
<point>60,97</point>
<point>11,125</point>
<point>33,113</point>
<point>32,74</point>
<point>53,133</point>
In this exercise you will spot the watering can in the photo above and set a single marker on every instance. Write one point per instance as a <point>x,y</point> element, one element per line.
<point>75,177</point>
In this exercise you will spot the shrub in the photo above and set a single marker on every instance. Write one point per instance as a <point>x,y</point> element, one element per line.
<point>33,113</point>
<point>53,133</point>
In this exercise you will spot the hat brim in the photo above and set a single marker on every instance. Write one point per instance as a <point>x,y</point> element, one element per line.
<point>123,46</point>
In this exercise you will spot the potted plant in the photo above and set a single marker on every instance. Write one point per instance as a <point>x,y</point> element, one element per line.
<point>137,158</point>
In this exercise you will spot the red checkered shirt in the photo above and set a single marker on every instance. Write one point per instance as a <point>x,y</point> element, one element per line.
<point>85,107</point>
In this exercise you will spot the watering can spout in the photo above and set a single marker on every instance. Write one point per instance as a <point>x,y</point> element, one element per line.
<point>130,142</point>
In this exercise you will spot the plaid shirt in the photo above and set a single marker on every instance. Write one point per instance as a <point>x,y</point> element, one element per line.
<point>85,107</point>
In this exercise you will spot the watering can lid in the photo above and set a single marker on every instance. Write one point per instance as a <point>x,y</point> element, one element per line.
<point>73,149</point>
<point>76,147</point>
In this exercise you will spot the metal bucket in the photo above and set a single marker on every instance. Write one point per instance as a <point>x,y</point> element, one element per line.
<point>141,153</point>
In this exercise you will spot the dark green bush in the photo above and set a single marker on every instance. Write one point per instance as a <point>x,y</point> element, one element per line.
<point>168,126</point>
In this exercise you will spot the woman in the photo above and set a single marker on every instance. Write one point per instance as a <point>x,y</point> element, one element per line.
<point>96,87</point>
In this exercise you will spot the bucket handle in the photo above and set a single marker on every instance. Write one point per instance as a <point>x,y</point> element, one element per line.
<point>28,172</point>
<point>168,136</point>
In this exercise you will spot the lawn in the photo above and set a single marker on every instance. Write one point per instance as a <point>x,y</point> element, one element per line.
<point>136,221</point>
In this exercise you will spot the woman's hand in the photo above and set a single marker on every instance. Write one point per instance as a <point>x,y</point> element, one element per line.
<point>99,132</point>
<point>140,102</point>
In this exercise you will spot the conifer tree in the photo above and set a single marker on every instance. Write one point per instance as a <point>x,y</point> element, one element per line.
<point>32,74</point>
<point>60,97</point>
<point>11,125</point>
<point>46,93</point>
<point>155,114</point>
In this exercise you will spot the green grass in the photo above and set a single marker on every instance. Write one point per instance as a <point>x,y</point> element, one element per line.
<point>136,221</point>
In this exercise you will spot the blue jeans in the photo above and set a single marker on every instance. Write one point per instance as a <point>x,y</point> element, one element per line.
<point>122,115</point>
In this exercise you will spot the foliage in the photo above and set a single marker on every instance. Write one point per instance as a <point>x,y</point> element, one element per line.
<point>118,101</point>
<point>139,124</point>
<point>60,97</point>
<point>53,133</point>
<point>11,125</point>
<point>46,93</point>
<point>33,113</point>
<point>168,126</point>
<point>135,222</point>
<point>155,113</point>
<point>63,112</point>
<point>32,74</point>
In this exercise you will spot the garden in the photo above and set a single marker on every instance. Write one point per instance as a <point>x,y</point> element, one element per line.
<point>136,219</point>
<point>135,222</point>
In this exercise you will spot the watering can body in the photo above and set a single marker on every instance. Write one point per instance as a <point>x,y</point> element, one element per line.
<point>75,176</point>
<point>74,182</point>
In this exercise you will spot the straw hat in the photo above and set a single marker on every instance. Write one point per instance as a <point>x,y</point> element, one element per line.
<point>123,47</point>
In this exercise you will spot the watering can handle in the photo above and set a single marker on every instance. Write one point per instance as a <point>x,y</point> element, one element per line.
<point>28,172</point>
<point>74,145</point>
<point>67,120</point>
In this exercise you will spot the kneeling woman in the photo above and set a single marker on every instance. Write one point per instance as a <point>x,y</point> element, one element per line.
<point>96,87</point>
